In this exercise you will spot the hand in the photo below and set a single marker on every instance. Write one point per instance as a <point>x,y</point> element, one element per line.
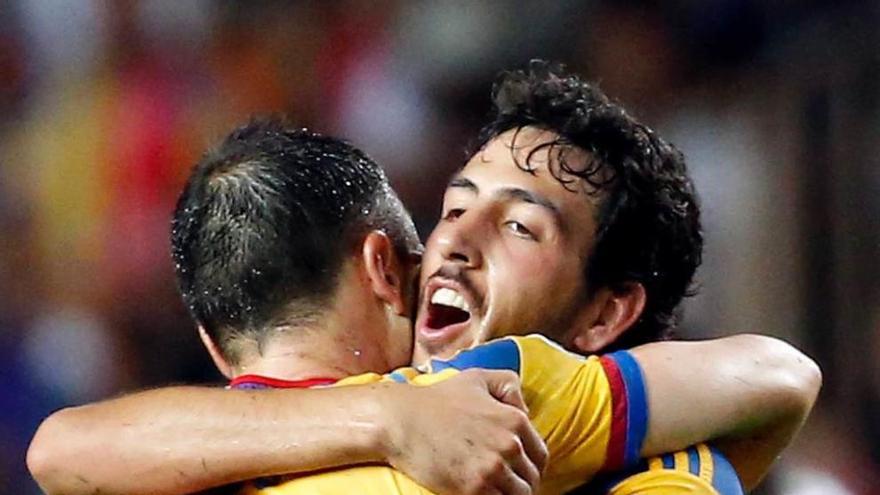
<point>467,435</point>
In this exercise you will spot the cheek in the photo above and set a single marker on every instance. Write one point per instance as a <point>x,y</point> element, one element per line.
<point>537,274</point>
<point>522,277</point>
<point>529,261</point>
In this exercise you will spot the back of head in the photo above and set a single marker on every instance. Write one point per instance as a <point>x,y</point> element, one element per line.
<point>266,222</point>
<point>648,220</point>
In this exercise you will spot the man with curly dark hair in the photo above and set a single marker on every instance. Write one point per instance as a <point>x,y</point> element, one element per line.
<point>648,219</point>
<point>571,219</point>
<point>615,203</point>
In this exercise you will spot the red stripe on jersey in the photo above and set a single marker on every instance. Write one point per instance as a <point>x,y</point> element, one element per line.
<point>278,383</point>
<point>615,453</point>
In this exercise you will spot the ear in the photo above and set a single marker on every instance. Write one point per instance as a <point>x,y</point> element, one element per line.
<point>611,312</point>
<point>216,354</point>
<point>384,270</point>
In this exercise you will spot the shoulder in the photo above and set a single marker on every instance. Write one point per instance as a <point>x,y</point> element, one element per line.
<point>500,354</point>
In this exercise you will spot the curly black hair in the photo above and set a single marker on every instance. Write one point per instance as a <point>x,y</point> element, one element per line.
<point>648,226</point>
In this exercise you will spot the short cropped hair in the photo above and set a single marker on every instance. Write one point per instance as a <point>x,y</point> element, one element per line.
<point>265,223</point>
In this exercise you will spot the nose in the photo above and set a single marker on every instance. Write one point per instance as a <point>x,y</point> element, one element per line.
<point>460,241</point>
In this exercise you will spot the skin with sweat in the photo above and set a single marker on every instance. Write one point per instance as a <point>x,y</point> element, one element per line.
<point>510,244</point>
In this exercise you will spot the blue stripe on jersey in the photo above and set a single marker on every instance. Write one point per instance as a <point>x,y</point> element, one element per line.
<point>496,355</point>
<point>397,377</point>
<point>668,461</point>
<point>637,410</point>
<point>693,461</point>
<point>724,477</point>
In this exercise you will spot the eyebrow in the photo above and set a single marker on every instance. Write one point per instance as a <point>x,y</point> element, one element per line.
<point>511,193</point>
<point>464,183</point>
<point>522,195</point>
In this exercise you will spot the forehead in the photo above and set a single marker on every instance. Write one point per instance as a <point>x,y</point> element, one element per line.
<point>524,159</point>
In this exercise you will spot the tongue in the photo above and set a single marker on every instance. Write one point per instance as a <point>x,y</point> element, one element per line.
<point>440,316</point>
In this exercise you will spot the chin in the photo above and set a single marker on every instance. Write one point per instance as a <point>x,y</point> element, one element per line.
<point>445,352</point>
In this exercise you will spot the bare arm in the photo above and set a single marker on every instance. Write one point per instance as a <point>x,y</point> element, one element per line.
<point>185,439</point>
<point>750,394</point>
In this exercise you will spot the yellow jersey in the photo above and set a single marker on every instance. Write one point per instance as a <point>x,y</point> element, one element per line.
<point>591,412</point>
<point>698,470</point>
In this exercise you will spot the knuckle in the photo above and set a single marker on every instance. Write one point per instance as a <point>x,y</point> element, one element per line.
<point>511,447</point>
<point>510,375</point>
<point>494,467</point>
<point>517,420</point>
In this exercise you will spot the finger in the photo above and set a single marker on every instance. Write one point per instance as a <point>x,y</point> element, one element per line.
<point>509,483</point>
<point>534,446</point>
<point>505,386</point>
<point>525,469</point>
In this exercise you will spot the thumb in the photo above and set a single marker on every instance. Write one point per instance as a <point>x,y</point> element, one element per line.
<point>506,387</point>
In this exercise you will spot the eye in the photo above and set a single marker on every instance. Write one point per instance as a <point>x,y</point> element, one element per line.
<point>453,213</point>
<point>519,230</point>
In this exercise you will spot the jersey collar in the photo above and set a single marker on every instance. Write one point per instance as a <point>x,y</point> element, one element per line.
<point>258,381</point>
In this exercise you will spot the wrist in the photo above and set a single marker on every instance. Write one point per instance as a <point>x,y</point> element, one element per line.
<point>380,423</point>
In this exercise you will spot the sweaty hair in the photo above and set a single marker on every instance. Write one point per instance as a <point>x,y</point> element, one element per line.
<point>648,219</point>
<point>265,223</point>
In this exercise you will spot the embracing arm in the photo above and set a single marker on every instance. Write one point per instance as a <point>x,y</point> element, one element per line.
<point>749,394</point>
<point>184,439</point>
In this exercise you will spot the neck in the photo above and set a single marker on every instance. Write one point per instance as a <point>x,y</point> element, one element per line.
<point>324,350</point>
<point>340,342</point>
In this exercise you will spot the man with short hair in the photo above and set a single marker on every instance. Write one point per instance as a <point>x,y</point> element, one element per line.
<point>537,210</point>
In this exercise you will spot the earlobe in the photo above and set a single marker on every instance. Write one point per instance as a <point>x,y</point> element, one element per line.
<point>216,355</point>
<point>615,312</point>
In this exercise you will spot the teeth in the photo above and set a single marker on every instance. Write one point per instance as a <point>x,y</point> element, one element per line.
<point>449,297</point>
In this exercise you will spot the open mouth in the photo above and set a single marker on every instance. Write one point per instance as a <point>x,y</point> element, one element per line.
<point>447,307</point>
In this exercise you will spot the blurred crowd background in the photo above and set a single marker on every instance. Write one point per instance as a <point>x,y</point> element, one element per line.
<point>105,105</point>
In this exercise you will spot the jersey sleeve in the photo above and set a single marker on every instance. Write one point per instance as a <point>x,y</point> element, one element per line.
<point>591,412</point>
<point>697,470</point>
